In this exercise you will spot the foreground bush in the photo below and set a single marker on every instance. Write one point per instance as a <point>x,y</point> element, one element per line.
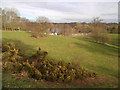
<point>38,66</point>
<point>10,58</point>
<point>7,47</point>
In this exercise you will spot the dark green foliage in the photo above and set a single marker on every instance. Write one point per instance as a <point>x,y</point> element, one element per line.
<point>38,66</point>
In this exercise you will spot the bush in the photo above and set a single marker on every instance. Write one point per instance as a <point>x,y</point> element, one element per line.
<point>7,46</point>
<point>15,67</point>
<point>11,53</point>
<point>39,67</point>
<point>58,71</point>
<point>11,58</point>
<point>100,35</point>
<point>32,72</point>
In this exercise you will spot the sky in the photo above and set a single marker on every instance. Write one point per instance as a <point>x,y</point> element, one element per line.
<point>61,11</point>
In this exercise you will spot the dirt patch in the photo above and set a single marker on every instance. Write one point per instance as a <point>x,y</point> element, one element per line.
<point>96,81</point>
<point>38,37</point>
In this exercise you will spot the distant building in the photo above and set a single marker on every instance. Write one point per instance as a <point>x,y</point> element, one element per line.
<point>53,33</point>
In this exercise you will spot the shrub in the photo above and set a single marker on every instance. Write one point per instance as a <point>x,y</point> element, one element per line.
<point>11,58</point>
<point>32,72</point>
<point>12,55</point>
<point>12,66</point>
<point>58,71</point>
<point>38,66</point>
<point>7,46</point>
<point>99,35</point>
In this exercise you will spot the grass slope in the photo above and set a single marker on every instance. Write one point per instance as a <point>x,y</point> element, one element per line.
<point>99,58</point>
<point>115,39</point>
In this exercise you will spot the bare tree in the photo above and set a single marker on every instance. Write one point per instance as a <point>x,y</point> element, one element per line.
<point>42,19</point>
<point>99,34</point>
<point>24,24</point>
<point>97,20</point>
<point>10,18</point>
<point>43,24</point>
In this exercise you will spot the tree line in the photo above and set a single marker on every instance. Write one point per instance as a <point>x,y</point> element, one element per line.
<point>11,20</point>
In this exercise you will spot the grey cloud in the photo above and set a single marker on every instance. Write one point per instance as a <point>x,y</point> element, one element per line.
<point>56,6</point>
<point>109,14</point>
<point>72,11</point>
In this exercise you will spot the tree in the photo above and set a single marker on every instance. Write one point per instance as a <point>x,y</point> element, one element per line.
<point>97,20</point>
<point>0,18</point>
<point>10,18</point>
<point>42,19</point>
<point>43,24</point>
<point>68,30</point>
<point>24,24</point>
<point>82,28</point>
<point>99,34</point>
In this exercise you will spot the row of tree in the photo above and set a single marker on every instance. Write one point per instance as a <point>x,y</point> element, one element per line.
<point>11,20</point>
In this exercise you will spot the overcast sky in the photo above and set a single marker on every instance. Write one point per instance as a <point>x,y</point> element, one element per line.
<point>66,10</point>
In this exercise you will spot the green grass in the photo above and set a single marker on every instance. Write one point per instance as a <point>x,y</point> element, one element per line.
<point>13,81</point>
<point>98,58</point>
<point>114,39</point>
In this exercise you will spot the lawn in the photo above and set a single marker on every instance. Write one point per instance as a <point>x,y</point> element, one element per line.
<point>115,39</point>
<point>99,58</point>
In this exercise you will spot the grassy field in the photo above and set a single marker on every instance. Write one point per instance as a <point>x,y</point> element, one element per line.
<point>99,58</point>
<point>115,39</point>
